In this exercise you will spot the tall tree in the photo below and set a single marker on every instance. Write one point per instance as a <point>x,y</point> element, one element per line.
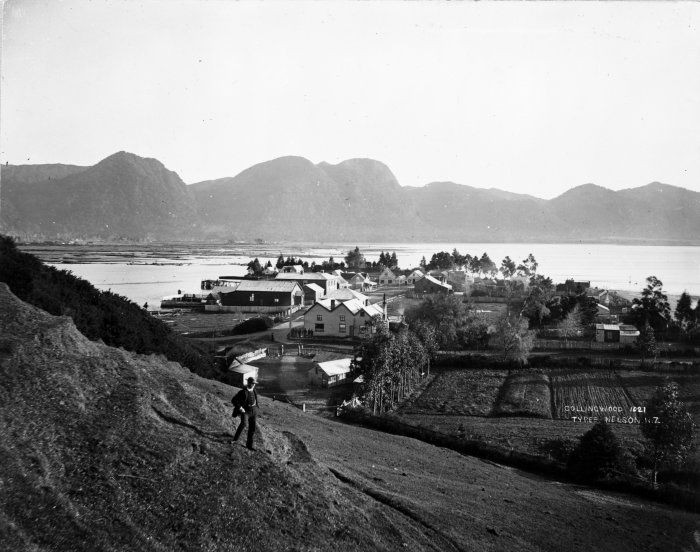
<point>391,366</point>
<point>447,314</point>
<point>528,267</point>
<point>646,343</point>
<point>540,293</point>
<point>393,261</point>
<point>355,259</point>
<point>487,266</point>
<point>513,339</point>
<point>508,268</point>
<point>571,325</point>
<point>441,260</point>
<point>685,316</point>
<point>255,267</point>
<point>280,261</point>
<point>424,263</point>
<point>653,305</point>
<point>668,428</point>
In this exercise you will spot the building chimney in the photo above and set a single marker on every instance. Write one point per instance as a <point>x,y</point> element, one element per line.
<point>332,304</point>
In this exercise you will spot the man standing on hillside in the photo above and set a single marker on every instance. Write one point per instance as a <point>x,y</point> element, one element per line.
<point>245,404</point>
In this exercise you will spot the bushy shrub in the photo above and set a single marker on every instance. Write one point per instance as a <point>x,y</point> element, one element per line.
<point>559,449</point>
<point>599,456</point>
<point>253,325</point>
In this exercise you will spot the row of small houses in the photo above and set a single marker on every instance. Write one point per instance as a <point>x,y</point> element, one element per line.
<point>291,290</point>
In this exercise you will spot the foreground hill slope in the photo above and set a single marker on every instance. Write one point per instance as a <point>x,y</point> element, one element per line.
<point>102,449</point>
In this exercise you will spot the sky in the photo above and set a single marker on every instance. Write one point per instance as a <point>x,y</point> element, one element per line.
<point>532,97</point>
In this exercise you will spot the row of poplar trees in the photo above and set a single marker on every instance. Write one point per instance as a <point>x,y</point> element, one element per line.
<point>391,364</point>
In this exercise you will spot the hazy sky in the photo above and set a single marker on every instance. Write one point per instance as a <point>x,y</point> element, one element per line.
<point>528,97</point>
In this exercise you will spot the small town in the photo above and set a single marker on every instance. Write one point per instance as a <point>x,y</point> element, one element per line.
<point>309,335</point>
<point>301,276</point>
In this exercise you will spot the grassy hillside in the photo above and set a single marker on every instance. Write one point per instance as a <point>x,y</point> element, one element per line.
<point>102,449</point>
<point>97,314</point>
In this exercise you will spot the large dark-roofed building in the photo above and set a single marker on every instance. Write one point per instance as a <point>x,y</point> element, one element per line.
<point>262,296</point>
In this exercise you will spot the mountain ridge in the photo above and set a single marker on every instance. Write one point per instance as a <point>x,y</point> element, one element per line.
<point>358,199</point>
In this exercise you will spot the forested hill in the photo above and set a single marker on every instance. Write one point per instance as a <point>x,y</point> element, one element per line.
<point>291,198</point>
<point>96,314</point>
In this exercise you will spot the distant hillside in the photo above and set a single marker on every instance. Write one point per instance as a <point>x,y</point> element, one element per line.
<point>290,198</point>
<point>122,196</point>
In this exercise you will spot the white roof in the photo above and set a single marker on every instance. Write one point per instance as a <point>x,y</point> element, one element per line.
<point>607,327</point>
<point>354,306</point>
<point>305,276</point>
<point>346,294</point>
<point>437,282</point>
<point>314,287</point>
<point>335,367</point>
<point>263,285</point>
<point>244,369</point>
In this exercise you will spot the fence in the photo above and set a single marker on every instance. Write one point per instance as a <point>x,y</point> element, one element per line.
<point>557,344</point>
<point>252,355</point>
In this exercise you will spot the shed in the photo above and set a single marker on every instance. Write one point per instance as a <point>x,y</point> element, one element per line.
<point>312,293</point>
<point>241,372</point>
<point>330,373</point>
<point>616,333</point>
<point>428,284</point>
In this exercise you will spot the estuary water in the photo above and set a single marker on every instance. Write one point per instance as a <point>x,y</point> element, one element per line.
<point>146,273</point>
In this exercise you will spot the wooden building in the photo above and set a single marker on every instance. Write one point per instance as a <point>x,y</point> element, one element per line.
<point>428,284</point>
<point>352,318</point>
<point>329,282</point>
<point>624,334</point>
<point>330,373</point>
<point>259,296</point>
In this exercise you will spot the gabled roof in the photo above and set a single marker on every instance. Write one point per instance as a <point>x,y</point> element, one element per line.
<point>432,280</point>
<point>244,369</point>
<point>353,306</point>
<point>305,276</point>
<point>263,285</point>
<point>416,274</point>
<point>224,289</point>
<point>314,287</point>
<point>346,294</point>
<point>387,271</point>
<point>335,367</point>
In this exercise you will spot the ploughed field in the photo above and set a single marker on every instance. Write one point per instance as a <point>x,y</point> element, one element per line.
<point>528,409</point>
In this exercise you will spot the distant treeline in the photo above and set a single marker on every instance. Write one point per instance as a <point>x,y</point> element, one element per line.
<point>97,314</point>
